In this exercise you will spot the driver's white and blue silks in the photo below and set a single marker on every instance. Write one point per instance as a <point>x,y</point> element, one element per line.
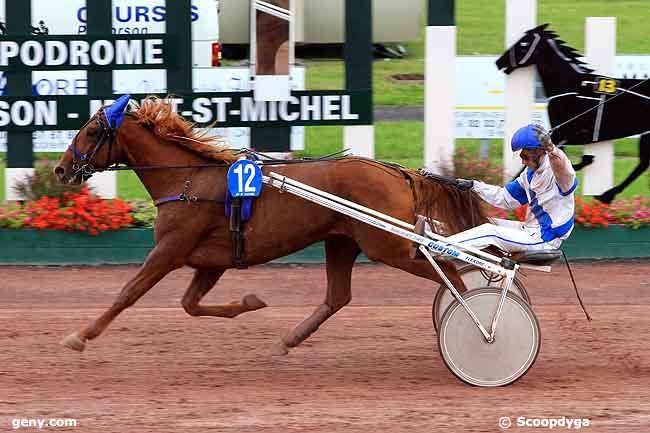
<point>550,212</point>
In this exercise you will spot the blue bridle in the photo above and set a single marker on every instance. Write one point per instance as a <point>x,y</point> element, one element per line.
<point>83,163</point>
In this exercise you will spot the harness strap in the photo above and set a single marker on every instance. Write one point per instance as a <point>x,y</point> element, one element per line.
<point>183,197</point>
<point>186,195</point>
<point>164,200</point>
<point>238,251</point>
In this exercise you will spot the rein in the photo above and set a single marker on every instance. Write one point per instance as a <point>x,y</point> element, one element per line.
<point>87,169</point>
<point>270,161</point>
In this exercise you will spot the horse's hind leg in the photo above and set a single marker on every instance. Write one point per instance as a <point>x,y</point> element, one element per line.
<point>395,253</point>
<point>340,253</point>
<point>203,281</point>
<point>644,162</point>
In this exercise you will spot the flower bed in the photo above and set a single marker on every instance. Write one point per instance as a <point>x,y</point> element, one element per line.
<point>633,213</point>
<point>131,246</point>
<point>76,212</point>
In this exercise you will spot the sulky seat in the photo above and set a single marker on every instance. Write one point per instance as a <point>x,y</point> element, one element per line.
<point>537,258</point>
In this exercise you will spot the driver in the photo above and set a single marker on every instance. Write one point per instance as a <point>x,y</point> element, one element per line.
<point>547,185</point>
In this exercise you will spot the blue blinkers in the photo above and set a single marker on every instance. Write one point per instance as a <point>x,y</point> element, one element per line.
<point>115,112</point>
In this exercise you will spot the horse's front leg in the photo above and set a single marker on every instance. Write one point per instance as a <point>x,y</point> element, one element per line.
<point>585,161</point>
<point>158,264</point>
<point>202,283</point>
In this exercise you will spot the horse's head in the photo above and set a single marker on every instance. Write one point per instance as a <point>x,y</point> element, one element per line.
<point>524,52</point>
<point>94,146</point>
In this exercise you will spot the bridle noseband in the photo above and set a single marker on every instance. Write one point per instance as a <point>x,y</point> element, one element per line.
<point>83,164</point>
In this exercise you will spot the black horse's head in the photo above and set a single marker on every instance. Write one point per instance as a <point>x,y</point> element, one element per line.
<point>524,52</point>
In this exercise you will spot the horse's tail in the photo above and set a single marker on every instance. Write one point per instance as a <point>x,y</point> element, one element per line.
<point>437,201</point>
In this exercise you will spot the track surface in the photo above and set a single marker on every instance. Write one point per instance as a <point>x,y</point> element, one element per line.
<point>374,367</point>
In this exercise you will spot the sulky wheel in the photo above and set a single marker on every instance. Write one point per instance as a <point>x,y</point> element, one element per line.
<point>473,278</point>
<point>475,361</point>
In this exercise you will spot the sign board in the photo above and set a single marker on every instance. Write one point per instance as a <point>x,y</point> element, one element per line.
<point>72,52</point>
<point>324,107</point>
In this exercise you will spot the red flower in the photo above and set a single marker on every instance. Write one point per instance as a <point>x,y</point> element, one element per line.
<point>82,212</point>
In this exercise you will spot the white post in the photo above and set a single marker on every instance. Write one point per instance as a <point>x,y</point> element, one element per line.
<point>360,139</point>
<point>12,177</point>
<point>104,184</point>
<point>298,11</point>
<point>521,15</point>
<point>600,51</point>
<point>440,101</point>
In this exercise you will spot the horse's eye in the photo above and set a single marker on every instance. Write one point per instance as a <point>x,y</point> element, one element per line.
<point>524,44</point>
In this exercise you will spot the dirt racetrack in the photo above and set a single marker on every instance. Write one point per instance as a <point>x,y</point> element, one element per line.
<point>374,367</point>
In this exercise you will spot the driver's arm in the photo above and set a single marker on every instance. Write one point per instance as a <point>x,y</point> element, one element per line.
<point>565,175</point>
<point>510,196</point>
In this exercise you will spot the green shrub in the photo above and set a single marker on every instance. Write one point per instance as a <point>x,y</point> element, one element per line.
<point>143,212</point>
<point>469,166</point>
<point>43,183</point>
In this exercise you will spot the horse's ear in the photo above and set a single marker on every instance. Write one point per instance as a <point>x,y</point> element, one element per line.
<point>540,29</point>
<point>132,106</point>
<point>115,112</point>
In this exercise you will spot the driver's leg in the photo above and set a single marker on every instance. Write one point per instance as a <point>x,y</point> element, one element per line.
<point>506,238</point>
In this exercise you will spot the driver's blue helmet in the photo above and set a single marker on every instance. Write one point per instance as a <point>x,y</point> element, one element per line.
<point>525,138</point>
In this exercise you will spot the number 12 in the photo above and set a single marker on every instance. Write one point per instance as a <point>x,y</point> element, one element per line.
<point>242,171</point>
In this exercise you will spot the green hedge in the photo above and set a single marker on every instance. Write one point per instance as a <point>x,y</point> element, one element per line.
<point>34,247</point>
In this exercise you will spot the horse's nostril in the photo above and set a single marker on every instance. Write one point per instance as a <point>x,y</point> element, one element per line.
<point>59,171</point>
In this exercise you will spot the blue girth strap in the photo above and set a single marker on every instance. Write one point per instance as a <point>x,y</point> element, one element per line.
<point>163,200</point>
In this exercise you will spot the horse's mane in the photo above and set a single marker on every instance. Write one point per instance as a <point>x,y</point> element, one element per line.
<point>569,54</point>
<point>158,116</point>
<point>441,202</point>
<point>437,201</point>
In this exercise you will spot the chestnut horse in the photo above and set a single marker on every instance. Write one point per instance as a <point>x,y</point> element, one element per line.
<point>150,138</point>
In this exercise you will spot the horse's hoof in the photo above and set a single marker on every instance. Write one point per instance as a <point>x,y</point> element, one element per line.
<point>74,342</point>
<point>279,349</point>
<point>252,302</point>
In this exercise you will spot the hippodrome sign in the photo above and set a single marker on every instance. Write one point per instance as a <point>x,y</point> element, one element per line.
<point>64,52</point>
<point>226,109</point>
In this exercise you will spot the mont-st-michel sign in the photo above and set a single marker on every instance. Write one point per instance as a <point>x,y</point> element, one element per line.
<point>220,109</point>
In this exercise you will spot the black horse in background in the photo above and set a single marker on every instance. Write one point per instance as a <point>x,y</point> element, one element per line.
<point>572,88</point>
